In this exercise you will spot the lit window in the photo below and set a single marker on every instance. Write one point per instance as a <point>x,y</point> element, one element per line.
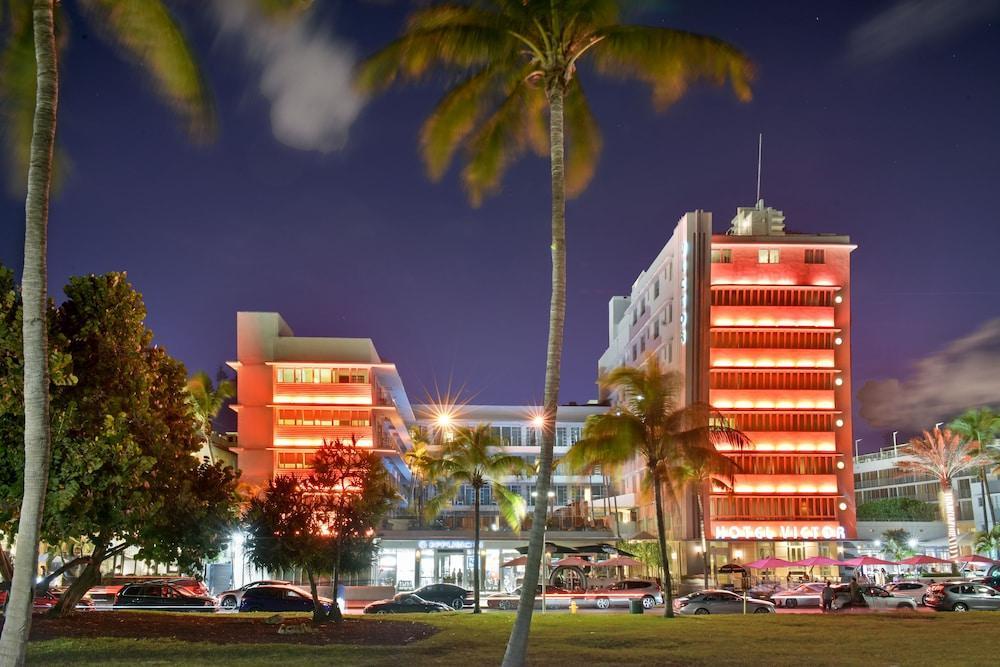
<point>815,257</point>
<point>767,256</point>
<point>722,256</point>
<point>325,375</point>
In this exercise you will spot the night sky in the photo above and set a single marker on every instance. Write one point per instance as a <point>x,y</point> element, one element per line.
<point>880,121</point>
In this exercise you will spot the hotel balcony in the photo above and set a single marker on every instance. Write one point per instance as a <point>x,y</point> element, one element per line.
<point>287,393</point>
<point>313,436</point>
<point>770,358</point>
<point>773,399</point>
<point>788,484</point>
<point>772,316</point>
<point>789,441</point>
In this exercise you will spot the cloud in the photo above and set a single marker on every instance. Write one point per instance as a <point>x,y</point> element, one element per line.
<point>965,374</point>
<point>305,73</point>
<point>908,24</point>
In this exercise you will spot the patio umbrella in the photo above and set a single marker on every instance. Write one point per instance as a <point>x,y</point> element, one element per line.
<point>603,548</point>
<point>923,560</point>
<point>813,561</point>
<point>619,561</point>
<point>520,560</point>
<point>730,568</point>
<point>975,558</point>
<point>572,561</point>
<point>552,548</point>
<point>768,563</point>
<point>867,560</point>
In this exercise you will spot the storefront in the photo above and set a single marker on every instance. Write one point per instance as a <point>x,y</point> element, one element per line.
<point>410,564</point>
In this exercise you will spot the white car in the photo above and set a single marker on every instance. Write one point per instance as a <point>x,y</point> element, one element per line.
<point>720,602</point>
<point>872,597</point>
<point>231,599</point>
<point>806,595</point>
<point>915,590</point>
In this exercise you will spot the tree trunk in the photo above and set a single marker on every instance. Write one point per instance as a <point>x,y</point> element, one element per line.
<point>420,507</point>
<point>6,568</point>
<point>704,542</point>
<point>90,577</point>
<point>949,515</point>
<point>319,616</point>
<point>661,536</point>
<point>517,644</point>
<point>17,621</point>
<point>335,612</point>
<point>989,515</point>
<point>475,556</point>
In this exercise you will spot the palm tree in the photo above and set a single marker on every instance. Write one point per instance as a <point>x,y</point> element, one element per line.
<point>206,401</point>
<point>651,423</point>
<point>516,63</point>
<point>418,460</point>
<point>942,455</point>
<point>988,542</point>
<point>981,427</point>
<point>896,544</point>
<point>473,457</point>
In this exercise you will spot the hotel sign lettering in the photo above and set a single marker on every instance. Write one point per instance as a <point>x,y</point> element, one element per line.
<point>779,532</point>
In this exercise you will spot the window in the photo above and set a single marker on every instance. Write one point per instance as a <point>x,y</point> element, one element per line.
<point>670,351</point>
<point>670,269</point>
<point>815,257</point>
<point>670,313</point>
<point>722,256</point>
<point>561,437</point>
<point>635,317</point>
<point>767,256</point>
<point>322,375</point>
<point>656,289</point>
<point>656,329</point>
<point>635,352</point>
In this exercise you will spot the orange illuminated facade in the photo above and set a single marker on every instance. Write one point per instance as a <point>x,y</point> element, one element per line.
<point>294,393</point>
<point>779,338</point>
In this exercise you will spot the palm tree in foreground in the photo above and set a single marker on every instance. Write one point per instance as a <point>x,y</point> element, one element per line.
<point>516,63</point>
<point>650,422</point>
<point>206,402</point>
<point>418,460</point>
<point>942,455</point>
<point>474,458</point>
<point>981,427</point>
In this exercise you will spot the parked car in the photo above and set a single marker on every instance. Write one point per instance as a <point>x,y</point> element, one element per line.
<point>805,595</point>
<point>231,599</point>
<point>45,599</point>
<point>406,603</point>
<point>454,596</point>
<point>962,596</point>
<point>915,590</point>
<point>720,602</point>
<point>279,597</point>
<point>161,595</point>
<point>621,592</point>
<point>871,597</point>
<point>104,593</point>
<point>555,597</point>
<point>190,584</point>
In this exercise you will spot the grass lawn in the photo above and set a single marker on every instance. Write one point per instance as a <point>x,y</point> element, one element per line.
<point>593,639</point>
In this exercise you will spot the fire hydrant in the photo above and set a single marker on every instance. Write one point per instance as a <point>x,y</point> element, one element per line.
<point>573,607</point>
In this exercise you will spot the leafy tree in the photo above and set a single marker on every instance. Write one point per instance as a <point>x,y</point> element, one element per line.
<point>988,542</point>
<point>650,423</point>
<point>473,457</point>
<point>943,455</point>
<point>981,427</point>
<point>646,552</point>
<point>123,472</point>
<point>515,64</point>
<point>896,544</point>
<point>206,401</point>
<point>896,509</point>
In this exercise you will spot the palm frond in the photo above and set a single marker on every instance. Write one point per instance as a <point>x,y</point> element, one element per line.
<point>145,32</point>
<point>585,140</point>
<point>671,60</point>
<point>512,507</point>
<point>452,121</point>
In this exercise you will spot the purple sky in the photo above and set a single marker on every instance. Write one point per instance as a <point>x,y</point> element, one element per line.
<point>880,121</point>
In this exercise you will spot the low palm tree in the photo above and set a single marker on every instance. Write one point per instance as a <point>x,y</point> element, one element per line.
<point>988,542</point>
<point>942,455</point>
<point>982,427</point>
<point>206,402</point>
<point>418,460</point>
<point>474,458</point>
<point>896,544</point>
<point>515,64</point>
<point>651,423</point>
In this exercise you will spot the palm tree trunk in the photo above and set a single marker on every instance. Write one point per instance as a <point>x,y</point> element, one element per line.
<point>517,645</point>
<point>17,621</point>
<point>704,542</point>
<point>6,568</point>
<point>661,536</point>
<point>989,516</point>
<point>475,557</point>
<point>319,616</point>
<point>948,497</point>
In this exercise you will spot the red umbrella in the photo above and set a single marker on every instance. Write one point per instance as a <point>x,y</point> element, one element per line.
<point>573,561</point>
<point>923,560</point>
<point>867,560</point>
<point>619,561</point>
<point>520,560</point>
<point>812,561</point>
<point>768,563</point>
<point>975,558</point>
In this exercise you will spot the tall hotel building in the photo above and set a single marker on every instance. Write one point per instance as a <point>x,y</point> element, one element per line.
<point>758,321</point>
<point>295,392</point>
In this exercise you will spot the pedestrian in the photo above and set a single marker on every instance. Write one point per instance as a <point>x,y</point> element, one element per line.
<point>855,590</point>
<point>827,597</point>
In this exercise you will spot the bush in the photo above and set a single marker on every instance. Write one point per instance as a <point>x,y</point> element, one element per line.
<point>897,509</point>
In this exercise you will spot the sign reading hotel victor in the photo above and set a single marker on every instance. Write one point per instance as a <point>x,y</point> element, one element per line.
<point>777,531</point>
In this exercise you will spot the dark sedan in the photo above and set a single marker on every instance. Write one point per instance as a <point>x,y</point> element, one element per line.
<point>161,596</point>
<point>280,598</point>
<point>454,596</point>
<point>406,603</point>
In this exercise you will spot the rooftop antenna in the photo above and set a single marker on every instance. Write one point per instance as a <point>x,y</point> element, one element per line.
<point>760,153</point>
